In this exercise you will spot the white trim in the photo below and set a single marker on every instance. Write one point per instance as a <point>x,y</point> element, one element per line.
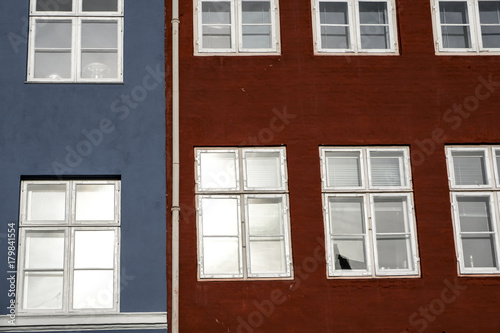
<point>236,31</point>
<point>242,194</point>
<point>368,193</point>
<point>355,31</point>
<point>75,17</point>
<point>83,322</point>
<point>451,168</point>
<point>474,24</point>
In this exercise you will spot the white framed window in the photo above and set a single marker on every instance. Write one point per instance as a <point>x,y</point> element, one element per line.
<point>354,26</point>
<point>243,218</point>
<point>368,212</point>
<point>69,247</point>
<point>475,193</point>
<point>466,27</point>
<point>76,41</point>
<point>236,27</point>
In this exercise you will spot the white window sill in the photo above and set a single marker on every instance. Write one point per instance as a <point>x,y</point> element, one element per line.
<point>351,53</point>
<point>80,322</point>
<point>236,54</point>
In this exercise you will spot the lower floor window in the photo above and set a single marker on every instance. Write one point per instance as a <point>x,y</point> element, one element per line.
<point>370,234</point>
<point>69,239</point>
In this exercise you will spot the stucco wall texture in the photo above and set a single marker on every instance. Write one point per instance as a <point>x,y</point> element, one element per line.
<point>302,101</point>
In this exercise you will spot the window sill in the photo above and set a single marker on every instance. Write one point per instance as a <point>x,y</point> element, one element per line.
<point>467,53</point>
<point>236,54</point>
<point>78,322</point>
<point>355,54</point>
<point>76,82</point>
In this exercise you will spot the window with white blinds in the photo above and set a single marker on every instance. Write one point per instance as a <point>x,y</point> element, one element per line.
<point>474,184</point>
<point>369,213</point>
<point>242,213</point>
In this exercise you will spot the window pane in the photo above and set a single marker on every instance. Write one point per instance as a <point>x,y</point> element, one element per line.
<point>349,254</point>
<point>263,170</point>
<point>265,217</point>
<point>54,5</point>
<point>469,168</point>
<point>346,216</point>
<point>490,36</point>
<point>53,65</point>
<point>99,34</point>
<point>474,213</point>
<point>497,156</point>
<point>98,65</point>
<point>456,37</point>
<point>95,202</point>
<point>220,217</point>
<point>46,202</point>
<point>390,215</point>
<point>216,37</point>
<point>387,168</point>
<point>43,290</point>
<point>93,289</point>
<point>374,37</point>
<point>220,256</point>
<point>373,12</point>
<point>489,12</point>
<point>333,13</point>
<point>343,169</point>
<point>267,257</point>
<point>479,251</point>
<point>218,170</point>
<point>453,12</point>
<point>216,12</point>
<point>256,12</point>
<point>44,250</point>
<point>256,36</point>
<point>335,37</point>
<point>94,249</point>
<point>394,253</point>
<point>100,5</point>
<point>53,34</point>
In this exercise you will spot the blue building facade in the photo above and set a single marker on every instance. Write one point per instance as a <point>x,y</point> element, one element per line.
<point>64,133</point>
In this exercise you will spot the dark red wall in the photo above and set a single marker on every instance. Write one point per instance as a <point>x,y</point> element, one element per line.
<point>337,100</point>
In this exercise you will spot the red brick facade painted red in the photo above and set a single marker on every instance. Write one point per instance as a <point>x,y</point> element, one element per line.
<point>338,100</point>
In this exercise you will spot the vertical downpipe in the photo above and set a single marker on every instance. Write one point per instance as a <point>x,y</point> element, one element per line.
<point>174,327</point>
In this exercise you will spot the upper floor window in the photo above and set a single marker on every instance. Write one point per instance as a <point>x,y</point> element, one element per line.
<point>354,26</point>
<point>368,212</point>
<point>236,26</point>
<point>69,235</point>
<point>467,26</point>
<point>76,41</point>
<point>475,191</point>
<point>242,213</point>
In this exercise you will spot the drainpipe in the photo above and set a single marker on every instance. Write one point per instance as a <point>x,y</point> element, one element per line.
<point>174,327</point>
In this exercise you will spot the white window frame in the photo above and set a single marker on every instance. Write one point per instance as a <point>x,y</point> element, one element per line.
<point>354,29</point>
<point>76,17</point>
<point>69,225</point>
<point>242,193</point>
<point>474,24</point>
<point>236,31</point>
<point>368,194</point>
<point>490,190</point>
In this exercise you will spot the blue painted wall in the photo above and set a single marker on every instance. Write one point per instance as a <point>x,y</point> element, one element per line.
<point>42,133</point>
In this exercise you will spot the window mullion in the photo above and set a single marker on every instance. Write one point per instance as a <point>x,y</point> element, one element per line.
<point>244,237</point>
